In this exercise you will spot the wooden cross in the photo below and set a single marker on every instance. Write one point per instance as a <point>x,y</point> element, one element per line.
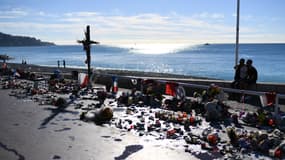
<point>87,47</point>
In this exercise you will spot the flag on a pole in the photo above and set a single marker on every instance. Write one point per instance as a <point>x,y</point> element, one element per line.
<point>115,84</point>
<point>170,88</point>
<point>83,79</point>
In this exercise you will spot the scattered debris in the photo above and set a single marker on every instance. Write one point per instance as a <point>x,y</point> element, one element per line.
<point>204,121</point>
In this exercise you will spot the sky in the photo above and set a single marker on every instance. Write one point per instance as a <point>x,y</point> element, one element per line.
<point>145,21</point>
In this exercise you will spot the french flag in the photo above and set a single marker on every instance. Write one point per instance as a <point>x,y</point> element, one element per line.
<point>115,85</point>
<point>83,80</point>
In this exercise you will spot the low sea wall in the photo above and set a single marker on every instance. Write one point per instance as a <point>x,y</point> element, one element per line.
<point>105,77</point>
<point>125,82</point>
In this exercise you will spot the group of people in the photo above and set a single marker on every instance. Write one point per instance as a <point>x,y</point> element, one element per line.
<point>245,75</point>
<point>63,63</point>
<point>24,61</point>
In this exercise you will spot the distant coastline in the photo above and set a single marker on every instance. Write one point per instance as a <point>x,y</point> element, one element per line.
<point>7,40</point>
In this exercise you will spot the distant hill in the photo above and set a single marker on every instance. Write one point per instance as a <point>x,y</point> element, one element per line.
<point>10,40</point>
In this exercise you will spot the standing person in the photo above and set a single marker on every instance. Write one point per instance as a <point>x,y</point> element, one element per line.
<point>63,63</point>
<point>58,63</point>
<point>252,74</point>
<point>240,75</point>
<point>4,68</point>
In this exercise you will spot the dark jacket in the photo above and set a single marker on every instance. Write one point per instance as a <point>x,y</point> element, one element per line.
<point>252,75</point>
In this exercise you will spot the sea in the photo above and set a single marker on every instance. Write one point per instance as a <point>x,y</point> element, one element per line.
<point>203,60</point>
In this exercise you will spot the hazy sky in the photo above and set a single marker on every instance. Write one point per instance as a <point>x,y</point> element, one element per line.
<point>145,21</point>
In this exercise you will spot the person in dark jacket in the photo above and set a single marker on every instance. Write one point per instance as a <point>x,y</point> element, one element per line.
<point>252,74</point>
<point>240,75</point>
<point>63,62</point>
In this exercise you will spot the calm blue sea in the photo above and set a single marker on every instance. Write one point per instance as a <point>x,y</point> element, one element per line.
<point>214,60</point>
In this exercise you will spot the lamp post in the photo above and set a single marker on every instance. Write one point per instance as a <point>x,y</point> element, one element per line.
<point>87,47</point>
<point>237,34</point>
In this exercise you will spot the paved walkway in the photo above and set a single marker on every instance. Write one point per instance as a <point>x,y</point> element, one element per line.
<point>23,137</point>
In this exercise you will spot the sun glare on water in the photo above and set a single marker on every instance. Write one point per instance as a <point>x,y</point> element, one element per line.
<point>155,48</point>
